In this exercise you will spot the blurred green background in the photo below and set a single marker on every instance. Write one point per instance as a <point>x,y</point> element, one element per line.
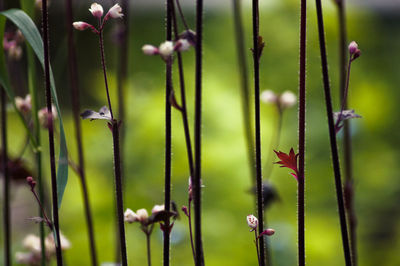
<point>373,94</point>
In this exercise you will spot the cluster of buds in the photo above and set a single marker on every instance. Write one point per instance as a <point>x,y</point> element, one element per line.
<point>354,51</point>
<point>45,118</point>
<point>158,214</point>
<point>167,48</point>
<point>283,101</point>
<point>97,11</point>
<point>12,44</point>
<point>24,105</point>
<point>34,254</point>
<point>252,222</point>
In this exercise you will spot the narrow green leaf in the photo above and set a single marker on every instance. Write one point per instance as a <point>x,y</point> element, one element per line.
<point>32,36</point>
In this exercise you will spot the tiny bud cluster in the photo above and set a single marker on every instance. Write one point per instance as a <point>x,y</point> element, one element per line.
<point>283,101</point>
<point>167,48</point>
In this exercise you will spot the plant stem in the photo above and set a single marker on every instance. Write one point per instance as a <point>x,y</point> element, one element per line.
<point>190,229</point>
<point>332,135</point>
<point>182,16</point>
<point>148,249</point>
<point>302,131</point>
<point>73,74</point>
<point>118,190</point>
<point>256,61</point>
<point>258,251</point>
<point>183,95</point>
<point>168,90</point>
<point>103,64</point>
<point>6,185</point>
<point>51,134</point>
<point>197,134</point>
<point>245,89</point>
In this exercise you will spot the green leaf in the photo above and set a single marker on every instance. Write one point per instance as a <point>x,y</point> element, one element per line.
<point>32,36</point>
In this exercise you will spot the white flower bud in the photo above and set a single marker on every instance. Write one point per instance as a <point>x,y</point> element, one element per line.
<point>166,49</point>
<point>142,215</point>
<point>149,49</point>
<point>157,208</point>
<point>50,244</point>
<point>182,45</point>
<point>80,25</point>
<point>115,12</point>
<point>44,116</point>
<point>130,216</point>
<point>252,222</point>
<point>23,105</point>
<point>268,96</point>
<point>96,10</point>
<point>32,243</point>
<point>287,99</point>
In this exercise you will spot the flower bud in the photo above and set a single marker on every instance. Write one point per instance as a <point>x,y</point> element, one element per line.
<point>50,244</point>
<point>142,215</point>
<point>252,222</point>
<point>157,208</point>
<point>185,210</point>
<point>15,52</point>
<point>268,96</point>
<point>32,243</point>
<point>80,25</point>
<point>149,49</point>
<point>26,258</point>
<point>353,47</point>
<point>31,182</point>
<point>166,49</point>
<point>287,99</point>
<point>182,45</point>
<point>45,118</point>
<point>96,10</point>
<point>115,12</point>
<point>23,105</point>
<point>130,216</point>
<point>267,232</point>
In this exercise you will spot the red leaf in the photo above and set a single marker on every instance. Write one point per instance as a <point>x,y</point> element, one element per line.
<point>289,161</point>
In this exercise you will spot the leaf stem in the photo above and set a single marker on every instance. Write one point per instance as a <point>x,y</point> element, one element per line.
<point>103,64</point>
<point>256,61</point>
<point>51,134</point>
<point>73,75</point>
<point>256,242</point>
<point>332,135</point>
<point>148,249</point>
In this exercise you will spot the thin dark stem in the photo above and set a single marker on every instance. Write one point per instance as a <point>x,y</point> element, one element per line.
<point>118,191</point>
<point>346,91</point>
<point>148,249</point>
<point>42,211</point>
<point>302,131</point>
<point>183,96</point>
<point>245,89</point>
<point>181,14</point>
<point>197,134</point>
<point>73,74</point>
<point>103,64</point>
<point>332,136</point>
<point>51,133</point>
<point>256,61</point>
<point>190,228</point>
<point>6,185</point>
<point>256,242</point>
<point>168,90</point>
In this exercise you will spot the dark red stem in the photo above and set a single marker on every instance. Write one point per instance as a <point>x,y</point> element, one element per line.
<point>6,186</point>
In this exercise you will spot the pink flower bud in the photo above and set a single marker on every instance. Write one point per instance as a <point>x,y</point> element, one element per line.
<point>23,105</point>
<point>142,215</point>
<point>31,182</point>
<point>182,45</point>
<point>45,118</point>
<point>115,12</point>
<point>130,216</point>
<point>149,49</point>
<point>267,232</point>
<point>252,222</point>
<point>96,10</point>
<point>185,210</point>
<point>80,25</point>
<point>353,47</point>
<point>268,96</point>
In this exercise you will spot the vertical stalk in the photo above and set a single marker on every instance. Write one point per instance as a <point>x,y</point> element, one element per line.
<point>244,81</point>
<point>256,61</point>
<point>168,89</point>
<point>51,133</point>
<point>197,134</point>
<point>347,150</point>
<point>302,131</point>
<point>148,249</point>
<point>332,135</point>
<point>73,75</point>
<point>6,185</point>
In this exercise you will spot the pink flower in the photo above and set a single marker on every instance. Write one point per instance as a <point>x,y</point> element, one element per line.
<point>149,49</point>
<point>252,222</point>
<point>80,25</point>
<point>114,12</point>
<point>267,232</point>
<point>96,10</point>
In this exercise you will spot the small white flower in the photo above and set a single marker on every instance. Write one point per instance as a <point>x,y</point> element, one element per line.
<point>182,45</point>
<point>96,10</point>
<point>130,216</point>
<point>80,25</point>
<point>252,222</point>
<point>157,208</point>
<point>44,116</point>
<point>149,49</point>
<point>268,96</point>
<point>32,243</point>
<point>142,215</point>
<point>25,258</point>
<point>166,49</point>
<point>287,99</point>
<point>115,12</point>
<point>23,105</point>
<point>50,244</point>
